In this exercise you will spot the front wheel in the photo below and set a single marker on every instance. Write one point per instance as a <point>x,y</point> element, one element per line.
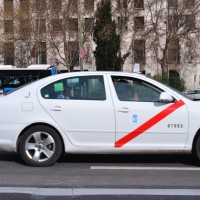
<point>40,146</point>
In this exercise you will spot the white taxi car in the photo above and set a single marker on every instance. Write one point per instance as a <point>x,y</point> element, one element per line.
<point>97,112</point>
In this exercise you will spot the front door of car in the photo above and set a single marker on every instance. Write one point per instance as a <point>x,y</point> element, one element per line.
<point>82,106</point>
<point>144,122</point>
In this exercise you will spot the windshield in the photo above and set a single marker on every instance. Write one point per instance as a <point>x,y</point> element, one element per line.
<point>180,93</point>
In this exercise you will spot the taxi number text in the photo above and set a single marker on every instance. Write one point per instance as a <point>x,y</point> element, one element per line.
<point>175,125</point>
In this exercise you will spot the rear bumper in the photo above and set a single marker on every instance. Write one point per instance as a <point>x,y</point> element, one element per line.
<point>8,136</point>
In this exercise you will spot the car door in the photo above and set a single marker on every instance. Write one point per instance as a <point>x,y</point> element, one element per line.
<point>83,108</point>
<point>144,122</point>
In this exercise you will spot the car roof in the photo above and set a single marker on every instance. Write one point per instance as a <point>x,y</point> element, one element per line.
<point>103,72</point>
<point>194,89</point>
<point>90,73</point>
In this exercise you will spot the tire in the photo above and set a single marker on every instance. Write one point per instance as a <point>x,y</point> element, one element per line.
<point>40,146</point>
<point>196,149</point>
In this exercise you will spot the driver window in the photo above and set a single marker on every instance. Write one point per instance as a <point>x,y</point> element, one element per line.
<point>132,89</point>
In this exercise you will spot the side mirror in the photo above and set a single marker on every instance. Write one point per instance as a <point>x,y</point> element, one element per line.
<point>165,97</point>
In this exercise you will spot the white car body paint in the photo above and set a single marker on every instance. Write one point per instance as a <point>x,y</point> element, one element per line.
<point>95,126</point>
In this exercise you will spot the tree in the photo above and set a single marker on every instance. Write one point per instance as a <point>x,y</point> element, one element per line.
<point>158,31</point>
<point>66,26</point>
<point>123,13</point>
<point>169,28</point>
<point>16,33</point>
<point>35,30</point>
<point>173,81</point>
<point>107,41</point>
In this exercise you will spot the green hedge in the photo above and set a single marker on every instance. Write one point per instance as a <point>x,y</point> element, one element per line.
<point>173,81</point>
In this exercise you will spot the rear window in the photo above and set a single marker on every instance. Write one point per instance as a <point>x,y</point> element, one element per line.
<point>77,88</point>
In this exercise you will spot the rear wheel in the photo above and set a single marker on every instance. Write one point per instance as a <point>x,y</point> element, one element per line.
<point>40,146</point>
<point>196,149</point>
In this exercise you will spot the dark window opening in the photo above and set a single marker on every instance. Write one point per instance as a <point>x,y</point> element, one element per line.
<point>57,25</point>
<point>122,22</point>
<point>172,3</point>
<point>139,51</point>
<point>73,24</point>
<point>173,73</point>
<point>41,54</point>
<point>73,6</point>
<point>173,22</point>
<point>88,24</point>
<point>9,53</point>
<point>139,4</point>
<point>174,52</point>
<point>8,24</point>
<point>24,5</point>
<point>189,22</point>
<point>122,4</point>
<point>89,5</point>
<point>8,5</point>
<point>139,23</point>
<point>189,3</point>
<point>56,5</point>
<point>71,49</point>
<point>24,27</point>
<point>41,25</point>
<point>40,5</point>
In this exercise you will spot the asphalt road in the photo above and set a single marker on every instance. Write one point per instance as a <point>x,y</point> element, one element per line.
<point>151,175</point>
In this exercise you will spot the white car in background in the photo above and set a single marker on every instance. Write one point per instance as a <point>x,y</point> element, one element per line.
<point>97,112</point>
<point>194,94</point>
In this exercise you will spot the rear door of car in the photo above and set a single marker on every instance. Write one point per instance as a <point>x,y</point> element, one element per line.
<point>86,115</point>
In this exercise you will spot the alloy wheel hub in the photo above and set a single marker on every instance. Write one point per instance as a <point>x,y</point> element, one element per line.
<point>40,146</point>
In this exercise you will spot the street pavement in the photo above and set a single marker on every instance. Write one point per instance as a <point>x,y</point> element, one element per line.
<point>101,177</point>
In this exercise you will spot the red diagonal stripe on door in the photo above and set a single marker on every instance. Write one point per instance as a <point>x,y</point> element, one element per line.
<point>151,122</point>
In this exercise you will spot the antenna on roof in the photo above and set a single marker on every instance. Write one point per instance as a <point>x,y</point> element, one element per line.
<point>136,68</point>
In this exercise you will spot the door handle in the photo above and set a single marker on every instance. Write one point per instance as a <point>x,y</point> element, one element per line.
<point>124,110</point>
<point>57,108</point>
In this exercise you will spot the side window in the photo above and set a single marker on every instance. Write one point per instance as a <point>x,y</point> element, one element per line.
<point>191,92</point>
<point>11,78</point>
<point>132,89</point>
<point>197,92</point>
<point>54,90</point>
<point>76,88</point>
